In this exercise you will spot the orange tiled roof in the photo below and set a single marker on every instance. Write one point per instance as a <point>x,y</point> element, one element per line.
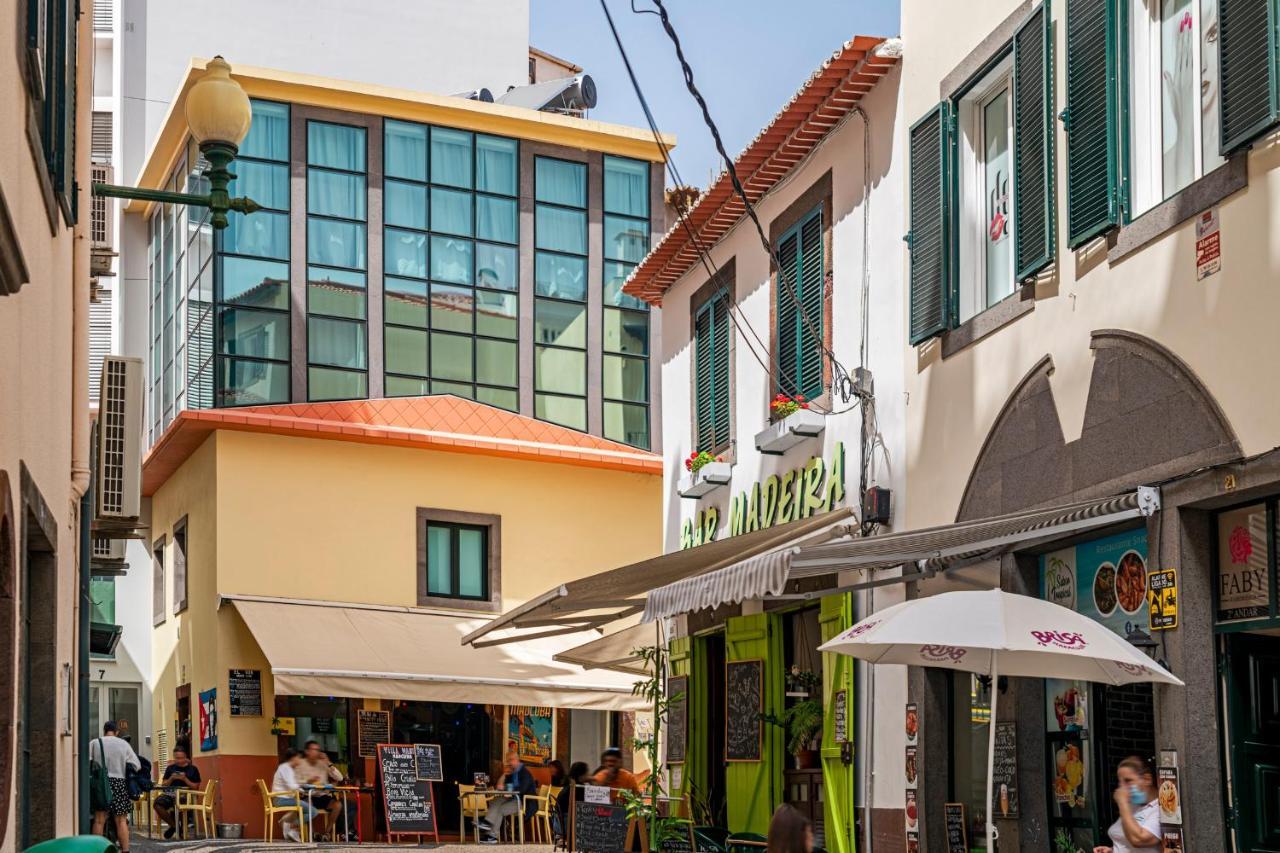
<point>441,422</point>
<point>828,96</point>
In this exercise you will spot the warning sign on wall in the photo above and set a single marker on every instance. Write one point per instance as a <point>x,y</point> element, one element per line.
<point>1208,245</point>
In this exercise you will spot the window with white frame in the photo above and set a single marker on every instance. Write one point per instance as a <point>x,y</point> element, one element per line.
<point>985,123</point>
<point>1174,124</point>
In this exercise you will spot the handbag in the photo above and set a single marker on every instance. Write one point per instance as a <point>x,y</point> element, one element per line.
<point>99,782</point>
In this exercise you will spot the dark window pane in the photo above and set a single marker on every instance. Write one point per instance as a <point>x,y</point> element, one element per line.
<point>561,230</point>
<point>496,314</point>
<point>403,386</point>
<point>625,239</point>
<point>626,186</point>
<point>335,194</point>
<point>254,283</point>
<point>406,302</point>
<point>626,331</point>
<point>566,411</point>
<point>439,560</point>
<point>404,253</point>
<point>406,150</point>
<point>615,276</point>
<point>560,323</point>
<point>405,204</point>
<point>268,133</point>
<point>560,276</point>
<point>261,234</point>
<point>252,383</point>
<point>496,165</point>
<point>325,384</point>
<point>451,259</point>
<point>625,378</point>
<point>451,357</point>
<point>334,243</point>
<point>560,370</point>
<point>337,146</point>
<point>450,212</point>
<point>560,182</point>
<point>450,157</point>
<point>261,334</point>
<point>452,308</point>
<point>496,219</point>
<point>338,293</point>
<point>496,362</point>
<point>497,266</point>
<point>265,183</point>
<point>471,563</point>
<point>500,397</point>
<point>627,423</point>
<point>336,343</point>
<point>457,389</point>
<point>406,351</point>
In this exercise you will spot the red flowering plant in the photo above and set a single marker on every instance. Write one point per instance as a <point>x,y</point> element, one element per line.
<point>784,405</point>
<point>697,459</point>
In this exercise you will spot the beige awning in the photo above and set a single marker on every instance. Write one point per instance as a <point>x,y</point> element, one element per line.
<point>620,593</point>
<point>614,651</point>
<point>320,648</point>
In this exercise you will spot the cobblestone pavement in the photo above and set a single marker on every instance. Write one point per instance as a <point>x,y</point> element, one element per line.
<point>142,844</point>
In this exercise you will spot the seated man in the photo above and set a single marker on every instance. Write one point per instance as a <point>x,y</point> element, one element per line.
<point>181,774</point>
<point>316,770</point>
<point>612,774</point>
<point>517,779</point>
<point>285,783</point>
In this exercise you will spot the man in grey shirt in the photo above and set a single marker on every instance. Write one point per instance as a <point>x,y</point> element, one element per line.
<point>116,756</point>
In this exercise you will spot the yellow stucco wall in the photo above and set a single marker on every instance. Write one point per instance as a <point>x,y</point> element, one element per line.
<point>330,520</point>
<point>1221,327</point>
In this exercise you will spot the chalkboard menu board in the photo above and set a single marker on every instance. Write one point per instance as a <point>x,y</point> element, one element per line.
<point>957,842</point>
<point>408,801</point>
<point>599,828</point>
<point>678,719</point>
<point>427,758</point>
<point>372,728</point>
<point>1004,775</point>
<point>744,693</point>
<point>244,692</point>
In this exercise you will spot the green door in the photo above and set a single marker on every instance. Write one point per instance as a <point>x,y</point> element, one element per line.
<point>690,777</point>
<point>837,689</point>
<point>1253,701</point>
<point>754,788</point>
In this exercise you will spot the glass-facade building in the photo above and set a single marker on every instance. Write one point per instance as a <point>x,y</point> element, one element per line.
<point>396,258</point>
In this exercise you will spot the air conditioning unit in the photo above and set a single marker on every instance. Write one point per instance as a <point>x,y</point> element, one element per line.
<point>101,234</point>
<point>119,452</point>
<point>107,558</point>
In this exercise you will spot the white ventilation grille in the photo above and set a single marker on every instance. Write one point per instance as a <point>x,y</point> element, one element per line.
<point>101,232</point>
<point>99,337</point>
<point>162,749</point>
<point>102,16</point>
<point>100,137</point>
<point>119,481</point>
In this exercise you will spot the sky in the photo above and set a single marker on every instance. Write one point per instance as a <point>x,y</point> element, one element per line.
<point>747,59</point>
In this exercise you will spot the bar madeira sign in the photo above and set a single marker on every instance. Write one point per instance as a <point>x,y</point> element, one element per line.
<point>813,488</point>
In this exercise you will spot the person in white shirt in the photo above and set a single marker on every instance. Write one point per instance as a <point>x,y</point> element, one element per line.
<point>1138,829</point>
<point>116,757</point>
<point>286,782</point>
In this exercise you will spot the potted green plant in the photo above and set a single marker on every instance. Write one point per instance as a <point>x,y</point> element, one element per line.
<point>803,718</point>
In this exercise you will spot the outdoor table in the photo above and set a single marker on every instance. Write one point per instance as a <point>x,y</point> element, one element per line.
<point>343,791</point>
<point>498,792</point>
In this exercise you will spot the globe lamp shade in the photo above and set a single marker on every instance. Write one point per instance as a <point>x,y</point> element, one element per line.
<point>217,108</point>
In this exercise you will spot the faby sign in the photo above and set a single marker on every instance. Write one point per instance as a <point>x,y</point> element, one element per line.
<point>813,488</point>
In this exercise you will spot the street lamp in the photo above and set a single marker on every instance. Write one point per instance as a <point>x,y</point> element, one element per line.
<point>218,114</point>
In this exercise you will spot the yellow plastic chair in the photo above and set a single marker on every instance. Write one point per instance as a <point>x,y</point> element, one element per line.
<point>473,805</point>
<point>547,797</point>
<point>270,809</point>
<point>199,804</point>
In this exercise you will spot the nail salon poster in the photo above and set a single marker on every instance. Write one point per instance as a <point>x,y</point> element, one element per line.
<point>209,720</point>
<point>1105,579</point>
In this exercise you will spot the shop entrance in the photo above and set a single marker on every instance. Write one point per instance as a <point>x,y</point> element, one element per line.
<point>713,799</point>
<point>464,735</point>
<point>1253,712</point>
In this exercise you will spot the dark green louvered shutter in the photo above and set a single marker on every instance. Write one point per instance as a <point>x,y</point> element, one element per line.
<point>711,371</point>
<point>929,238</point>
<point>1250,72</point>
<point>1095,161</point>
<point>788,316</point>
<point>1034,236</point>
<point>811,277</point>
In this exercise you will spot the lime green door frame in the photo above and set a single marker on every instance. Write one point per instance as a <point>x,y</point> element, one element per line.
<point>838,777</point>
<point>754,788</point>
<point>685,661</point>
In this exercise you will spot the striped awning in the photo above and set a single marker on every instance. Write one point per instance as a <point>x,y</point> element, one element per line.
<point>754,578</point>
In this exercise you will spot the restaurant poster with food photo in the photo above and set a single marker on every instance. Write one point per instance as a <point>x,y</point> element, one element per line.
<point>530,731</point>
<point>911,767</point>
<point>1105,579</point>
<point>1169,795</point>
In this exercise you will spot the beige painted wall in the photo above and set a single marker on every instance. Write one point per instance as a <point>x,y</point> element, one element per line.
<point>37,372</point>
<point>336,521</point>
<point>1223,327</point>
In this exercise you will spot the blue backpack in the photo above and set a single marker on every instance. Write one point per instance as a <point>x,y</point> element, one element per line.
<point>139,781</point>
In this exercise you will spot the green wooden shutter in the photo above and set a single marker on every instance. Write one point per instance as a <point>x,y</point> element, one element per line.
<point>1034,236</point>
<point>929,238</point>
<point>838,778</point>
<point>811,332</point>
<point>1094,119</point>
<point>686,659</point>
<point>1250,70</point>
<point>754,788</point>
<point>711,374</point>
<point>788,317</point>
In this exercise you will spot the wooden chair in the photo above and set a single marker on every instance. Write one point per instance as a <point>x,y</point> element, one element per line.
<point>473,805</point>
<point>198,804</point>
<point>746,842</point>
<point>270,809</point>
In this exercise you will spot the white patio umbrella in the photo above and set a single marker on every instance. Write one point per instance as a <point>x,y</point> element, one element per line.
<point>992,632</point>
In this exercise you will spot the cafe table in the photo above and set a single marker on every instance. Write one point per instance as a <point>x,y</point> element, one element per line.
<point>490,793</point>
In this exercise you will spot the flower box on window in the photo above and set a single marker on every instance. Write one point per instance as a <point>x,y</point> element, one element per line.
<point>785,434</point>
<point>706,479</point>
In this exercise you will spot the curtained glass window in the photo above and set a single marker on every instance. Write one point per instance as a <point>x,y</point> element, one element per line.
<point>560,287</point>
<point>626,234</point>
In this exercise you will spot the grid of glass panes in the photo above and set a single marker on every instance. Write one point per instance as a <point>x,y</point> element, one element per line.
<point>252,288</point>
<point>450,263</point>
<point>560,288</point>
<point>337,238</point>
<point>168,250</point>
<point>625,380</point>
<point>195,341</point>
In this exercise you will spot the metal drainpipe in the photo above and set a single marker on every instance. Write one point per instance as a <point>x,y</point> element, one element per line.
<point>82,699</point>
